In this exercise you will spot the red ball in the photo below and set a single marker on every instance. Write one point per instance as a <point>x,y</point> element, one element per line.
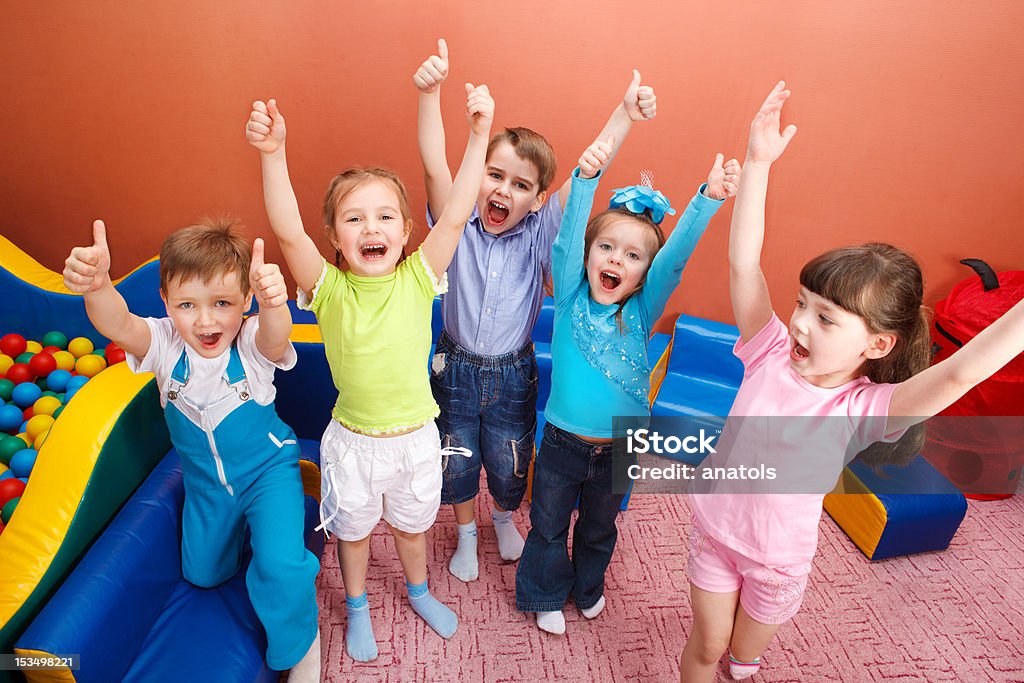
<point>19,372</point>
<point>114,354</point>
<point>13,345</point>
<point>11,487</point>
<point>42,364</point>
<point>28,414</point>
<point>50,349</point>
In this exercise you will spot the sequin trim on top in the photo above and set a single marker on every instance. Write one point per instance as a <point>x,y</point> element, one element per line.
<point>620,357</point>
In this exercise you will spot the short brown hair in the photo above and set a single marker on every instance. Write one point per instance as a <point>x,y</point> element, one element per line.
<point>532,147</point>
<point>210,247</point>
<point>347,181</point>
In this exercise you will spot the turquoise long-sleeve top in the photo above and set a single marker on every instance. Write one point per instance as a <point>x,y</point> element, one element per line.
<point>598,372</point>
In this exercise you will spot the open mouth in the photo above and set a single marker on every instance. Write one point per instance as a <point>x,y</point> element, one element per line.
<point>496,213</point>
<point>609,280</point>
<point>209,341</point>
<point>373,251</point>
<point>799,352</point>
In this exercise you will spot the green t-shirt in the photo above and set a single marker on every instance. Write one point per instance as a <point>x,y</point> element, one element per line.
<point>376,333</point>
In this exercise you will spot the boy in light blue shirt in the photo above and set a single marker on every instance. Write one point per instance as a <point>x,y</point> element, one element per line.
<point>484,372</point>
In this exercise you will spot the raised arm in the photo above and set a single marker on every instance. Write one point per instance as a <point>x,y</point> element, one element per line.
<point>668,264</point>
<point>934,389</point>
<point>430,129</point>
<point>439,245</point>
<point>267,283</point>
<point>265,131</point>
<point>751,303</point>
<point>638,104</point>
<point>87,271</point>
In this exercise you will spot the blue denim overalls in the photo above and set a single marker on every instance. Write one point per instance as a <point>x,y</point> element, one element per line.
<point>240,464</point>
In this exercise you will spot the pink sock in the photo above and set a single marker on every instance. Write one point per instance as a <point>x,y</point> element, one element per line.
<point>740,670</point>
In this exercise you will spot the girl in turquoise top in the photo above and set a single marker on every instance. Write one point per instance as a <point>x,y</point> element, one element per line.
<point>612,279</point>
<point>380,455</point>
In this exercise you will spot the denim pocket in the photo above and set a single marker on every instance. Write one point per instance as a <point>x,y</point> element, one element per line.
<point>522,451</point>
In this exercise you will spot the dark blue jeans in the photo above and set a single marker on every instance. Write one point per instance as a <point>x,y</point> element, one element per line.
<point>568,469</point>
<point>488,405</point>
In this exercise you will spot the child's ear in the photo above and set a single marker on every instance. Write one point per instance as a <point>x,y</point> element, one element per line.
<point>539,201</point>
<point>163,297</point>
<point>408,232</point>
<point>248,302</point>
<point>329,230</point>
<point>881,345</point>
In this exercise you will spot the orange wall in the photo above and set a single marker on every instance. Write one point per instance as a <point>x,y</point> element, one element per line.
<point>909,114</point>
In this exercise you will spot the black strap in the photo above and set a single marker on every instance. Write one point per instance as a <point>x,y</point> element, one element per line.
<point>989,279</point>
<point>947,335</point>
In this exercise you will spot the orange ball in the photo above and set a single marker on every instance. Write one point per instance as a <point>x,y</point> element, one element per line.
<point>65,361</point>
<point>80,346</point>
<point>90,365</point>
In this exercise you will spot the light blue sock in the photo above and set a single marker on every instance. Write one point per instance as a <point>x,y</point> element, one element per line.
<point>359,640</point>
<point>437,616</point>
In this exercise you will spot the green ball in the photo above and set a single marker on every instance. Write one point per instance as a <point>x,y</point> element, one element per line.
<point>9,445</point>
<point>6,387</point>
<point>55,338</point>
<point>50,393</point>
<point>8,509</point>
<point>102,353</point>
<point>24,358</point>
<point>56,413</point>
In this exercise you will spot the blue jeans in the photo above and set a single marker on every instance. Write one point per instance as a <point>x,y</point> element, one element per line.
<point>568,469</point>
<point>488,405</point>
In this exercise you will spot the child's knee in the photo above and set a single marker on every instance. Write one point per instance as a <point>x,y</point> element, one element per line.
<point>709,647</point>
<point>404,535</point>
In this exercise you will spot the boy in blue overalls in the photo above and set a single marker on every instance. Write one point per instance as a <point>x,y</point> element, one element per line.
<point>215,371</point>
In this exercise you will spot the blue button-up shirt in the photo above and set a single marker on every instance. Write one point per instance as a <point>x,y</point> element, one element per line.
<point>496,282</point>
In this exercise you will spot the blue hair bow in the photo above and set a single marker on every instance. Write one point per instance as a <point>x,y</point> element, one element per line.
<point>641,198</point>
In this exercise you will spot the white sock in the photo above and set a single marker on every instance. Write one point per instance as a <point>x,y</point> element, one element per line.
<point>308,668</point>
<point>740,670</point>
<point>552,622</point>
<point>510,541</point>
<point>597,608</point>
<point>463,564</point>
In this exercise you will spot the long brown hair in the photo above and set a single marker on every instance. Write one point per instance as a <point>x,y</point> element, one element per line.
<point>602,220</point>
<point>343,184</point>
<point>883,285</point>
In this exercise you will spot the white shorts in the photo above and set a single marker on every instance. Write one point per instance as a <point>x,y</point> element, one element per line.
<point>364,478</point>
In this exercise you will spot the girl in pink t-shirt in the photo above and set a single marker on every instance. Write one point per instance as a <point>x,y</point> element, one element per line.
<point>851,368</point>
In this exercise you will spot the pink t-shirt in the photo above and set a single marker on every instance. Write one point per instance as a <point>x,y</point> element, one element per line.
<point>806,433</point>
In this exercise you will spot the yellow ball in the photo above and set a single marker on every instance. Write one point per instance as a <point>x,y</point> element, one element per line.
<point>5,363</point>
<point>65,361</point>
<point>37,444</point>
<point>24,437</point>
<point>80,346</point>
<point>33,346</point>
<point>37,424</point>
<point>46,405</point>
<point>3,468</point>
<point>90,365</point>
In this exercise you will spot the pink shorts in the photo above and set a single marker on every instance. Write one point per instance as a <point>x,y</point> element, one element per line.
<point>771,595</point>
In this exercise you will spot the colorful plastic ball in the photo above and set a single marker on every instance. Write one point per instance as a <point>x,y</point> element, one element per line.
<point>46,405</point>
<point>19,372</point>
<point>37,425</point>
<point>5,363</point>
<point>80,346</point>
<point>42,364</point>
<point>13,345</point>
<point>23,437</point>
<point>6,389</point>
<point>25,394</point>
<point>27,414</point>
<point>10,417</point>
<point>10,488</point>
<point>57,412</point>
<point>55,338</point>
<point>23,461</point>
<point>90,365</point>
<point>6,474</point>
<point>65,361</point>
<point>77,382</point>
<point>50,349</point>
<point>58,380</point>
<point>49,392</point>
<point>24,357</point>
<point>32,346</point>
<point>9,445</point>
<point>40,440</point>
<point>8,510</point>
<point>115,354</point>
<point>101,353</point>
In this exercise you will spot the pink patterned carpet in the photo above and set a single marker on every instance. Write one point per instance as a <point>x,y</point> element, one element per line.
<point>955,615</point>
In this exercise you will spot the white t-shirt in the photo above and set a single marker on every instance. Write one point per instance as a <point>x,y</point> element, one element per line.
<point>206,385</point>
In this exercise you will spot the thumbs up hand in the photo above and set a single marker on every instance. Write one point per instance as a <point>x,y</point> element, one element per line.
<point>265,128</point>
<point>88,268</point>
<point>266,279</point>
<point>639,100</point>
